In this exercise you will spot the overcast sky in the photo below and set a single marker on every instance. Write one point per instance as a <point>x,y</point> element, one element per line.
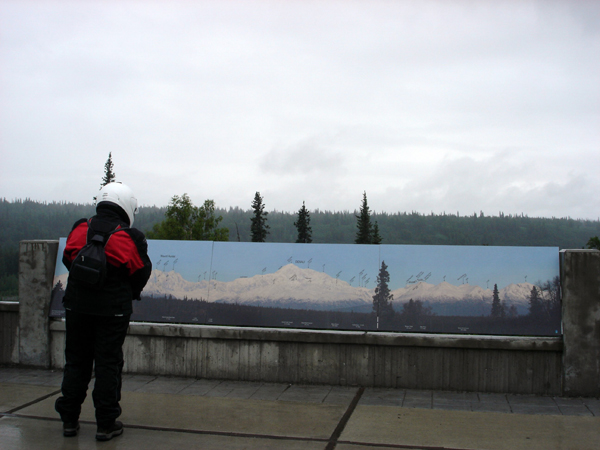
<point>439,106</point>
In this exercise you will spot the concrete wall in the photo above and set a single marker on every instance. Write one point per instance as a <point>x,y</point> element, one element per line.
<point>9,332</point>
<point>580,279</point>
<point>416,361</point>
<point>37,261</point>
<point>524,365</point>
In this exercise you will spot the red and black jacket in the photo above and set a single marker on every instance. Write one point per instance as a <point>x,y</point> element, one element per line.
<point>128,266</point>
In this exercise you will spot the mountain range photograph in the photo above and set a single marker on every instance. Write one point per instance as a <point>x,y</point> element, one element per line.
<point>343,294</point>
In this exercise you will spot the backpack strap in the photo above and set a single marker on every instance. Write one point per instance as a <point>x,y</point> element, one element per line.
<point>102,236</point>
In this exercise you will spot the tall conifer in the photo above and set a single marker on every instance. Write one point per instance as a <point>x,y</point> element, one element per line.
<point>375,237</point>
<point>364,234</point>
<point>259,228</point>
<point>496,305</point>
<point>303,226</point>
<point>109,175</point>
<point>382,300</point>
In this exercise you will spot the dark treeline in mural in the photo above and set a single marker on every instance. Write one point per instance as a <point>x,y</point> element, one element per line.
<point>415,320</point>
<point>26,219</point>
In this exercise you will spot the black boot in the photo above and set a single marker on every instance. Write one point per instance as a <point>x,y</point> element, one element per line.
<point>106,434</point>
<point>70,429</point>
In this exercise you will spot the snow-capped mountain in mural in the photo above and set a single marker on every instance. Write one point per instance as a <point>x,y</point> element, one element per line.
<point>294,287</point>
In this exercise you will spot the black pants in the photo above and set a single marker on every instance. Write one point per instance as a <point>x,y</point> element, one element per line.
<point>93,342</point>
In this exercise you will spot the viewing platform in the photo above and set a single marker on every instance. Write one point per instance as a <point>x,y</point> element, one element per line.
<point>172,412</point>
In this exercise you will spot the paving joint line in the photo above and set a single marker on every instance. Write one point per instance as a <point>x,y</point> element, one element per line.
<point>182,430</point>
<point>33,402</point>
<point>332,443</point>
<point>399,446</point>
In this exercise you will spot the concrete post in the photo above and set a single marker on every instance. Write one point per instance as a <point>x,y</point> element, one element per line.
<point>580,277</point>
<point>37,260</point>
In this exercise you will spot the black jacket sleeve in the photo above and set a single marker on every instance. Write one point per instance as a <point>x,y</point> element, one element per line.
<point>141,276</point>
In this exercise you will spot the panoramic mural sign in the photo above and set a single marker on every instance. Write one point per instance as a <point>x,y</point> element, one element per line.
<point>401,288</point>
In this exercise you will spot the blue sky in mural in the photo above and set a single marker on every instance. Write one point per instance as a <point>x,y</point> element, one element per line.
<point>356,264</point>
<point>482,266</point>
<point>235,259</point>
<point>189,258</point>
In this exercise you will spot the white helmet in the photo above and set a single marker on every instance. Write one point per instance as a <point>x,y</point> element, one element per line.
<point>120,195</point>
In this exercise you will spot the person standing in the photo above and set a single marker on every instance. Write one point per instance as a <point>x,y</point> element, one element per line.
<point>97,318</point>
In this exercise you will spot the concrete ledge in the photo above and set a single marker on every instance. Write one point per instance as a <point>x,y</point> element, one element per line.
<point>9,307</point>
<point>514,343</point>
<point>505,364</point>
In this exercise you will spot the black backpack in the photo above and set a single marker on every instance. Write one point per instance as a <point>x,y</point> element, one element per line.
<point>89,266</point>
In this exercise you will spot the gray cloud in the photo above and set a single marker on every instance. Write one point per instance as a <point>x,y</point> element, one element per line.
<point>425,105</point>
<point>500,183</point>
<point>308,157</point>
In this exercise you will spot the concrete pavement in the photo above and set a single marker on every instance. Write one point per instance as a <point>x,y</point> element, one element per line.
<point>164,413</point>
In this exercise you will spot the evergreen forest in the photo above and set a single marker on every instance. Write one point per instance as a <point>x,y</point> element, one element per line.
<point>27,220</point>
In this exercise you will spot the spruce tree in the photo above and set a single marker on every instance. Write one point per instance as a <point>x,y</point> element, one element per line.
<point>382,300</point>
<point>259,228</point>
<point>109,175</point>
<point>364,234</point>
<point>375,237</point>
<point>303,226</point>
<point>496,305</point>
<point>536,308</point>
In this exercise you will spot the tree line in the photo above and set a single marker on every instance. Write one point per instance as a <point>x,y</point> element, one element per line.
<point>25,219</point>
